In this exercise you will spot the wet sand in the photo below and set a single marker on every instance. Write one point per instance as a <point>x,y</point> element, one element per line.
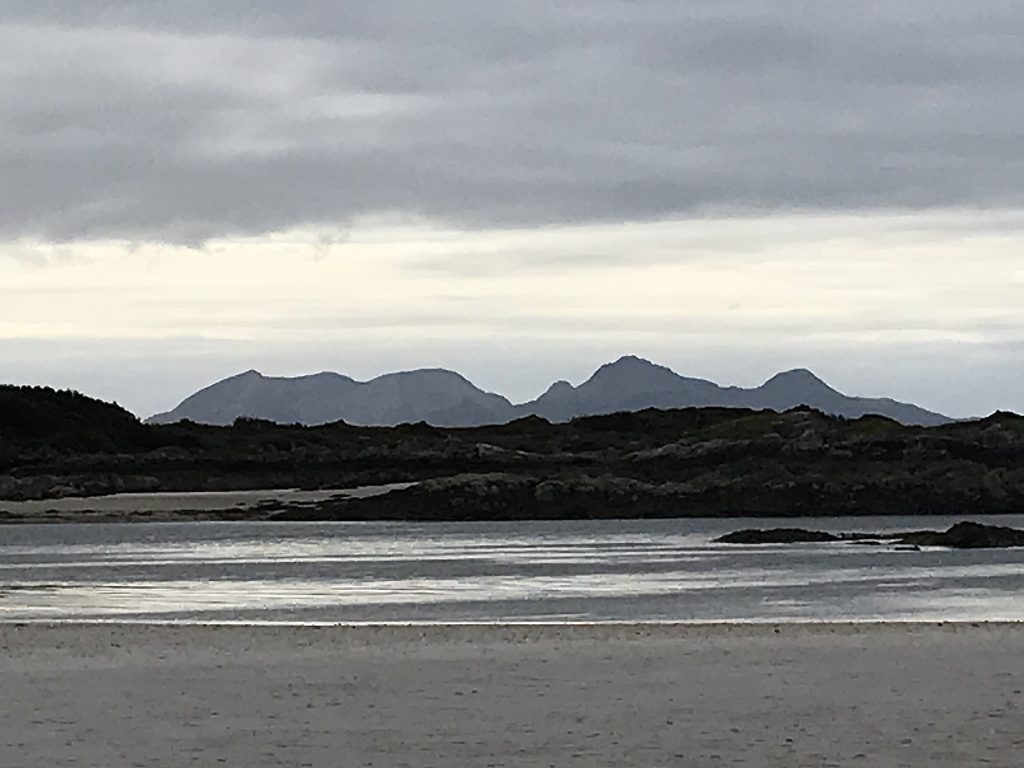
<point>746,695</point>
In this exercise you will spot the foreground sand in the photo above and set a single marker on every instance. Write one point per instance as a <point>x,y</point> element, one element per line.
<point>882,695</point>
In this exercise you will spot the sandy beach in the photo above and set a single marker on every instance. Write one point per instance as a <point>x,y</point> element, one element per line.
<point>177,506</point>
<point>792,695</point>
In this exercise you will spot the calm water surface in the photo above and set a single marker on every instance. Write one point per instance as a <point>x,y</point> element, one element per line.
<point>483,572</point>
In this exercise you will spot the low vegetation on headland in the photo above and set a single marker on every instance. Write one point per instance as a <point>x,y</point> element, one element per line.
<point>652,463</point>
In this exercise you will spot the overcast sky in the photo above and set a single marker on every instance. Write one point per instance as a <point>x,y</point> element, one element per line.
<point>518,190</point>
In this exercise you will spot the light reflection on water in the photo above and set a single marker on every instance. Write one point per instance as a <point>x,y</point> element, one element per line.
<point>541,571</point>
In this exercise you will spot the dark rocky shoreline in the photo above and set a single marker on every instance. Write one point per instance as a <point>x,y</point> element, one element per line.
<point>698,462</point>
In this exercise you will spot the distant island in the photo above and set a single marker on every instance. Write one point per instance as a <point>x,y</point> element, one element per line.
<point>652,463</point>
<point>447,399</point>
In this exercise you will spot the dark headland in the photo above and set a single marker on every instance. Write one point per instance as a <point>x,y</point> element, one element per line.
<point>648,464</point>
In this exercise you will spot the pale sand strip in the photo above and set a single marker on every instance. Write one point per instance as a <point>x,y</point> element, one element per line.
<point>796,695</point>
<point>85,508</point>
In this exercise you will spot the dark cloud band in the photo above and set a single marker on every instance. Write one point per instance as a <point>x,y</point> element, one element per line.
<point>186,121</point>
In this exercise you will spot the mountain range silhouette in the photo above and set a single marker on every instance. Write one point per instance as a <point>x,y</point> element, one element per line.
<point>446,398</point>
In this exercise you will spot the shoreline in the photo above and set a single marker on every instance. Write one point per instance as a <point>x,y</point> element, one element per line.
<point>332,505</point>
<point>249,505</point>
<point>441,626</point>
<point>266,512</point>
<point>705,462</point>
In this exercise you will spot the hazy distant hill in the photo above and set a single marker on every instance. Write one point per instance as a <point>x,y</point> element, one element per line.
<point>439,397</point>
<point>445,398</point>
<point>631,384</point>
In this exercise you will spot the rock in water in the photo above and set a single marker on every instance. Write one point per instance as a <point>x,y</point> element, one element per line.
<point>967,536</point>
<point>963,535</point>
<point>776,536</point>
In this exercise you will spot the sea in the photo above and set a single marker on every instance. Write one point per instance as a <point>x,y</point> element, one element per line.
<point>542,572</point>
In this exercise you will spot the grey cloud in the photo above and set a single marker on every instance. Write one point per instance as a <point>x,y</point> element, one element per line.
<point>192,120</point>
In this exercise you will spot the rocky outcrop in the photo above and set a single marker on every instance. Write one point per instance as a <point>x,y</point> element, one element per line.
<point>965,535</point>
<point>38,487</point>
<point>8,485</point>
<point>776,536</point>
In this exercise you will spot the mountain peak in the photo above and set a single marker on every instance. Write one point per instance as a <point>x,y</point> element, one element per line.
<point>795,377</point>
<point>442,376</point>
<point>632,361</point>
<point>630,368</point>
<point>560,387</point>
